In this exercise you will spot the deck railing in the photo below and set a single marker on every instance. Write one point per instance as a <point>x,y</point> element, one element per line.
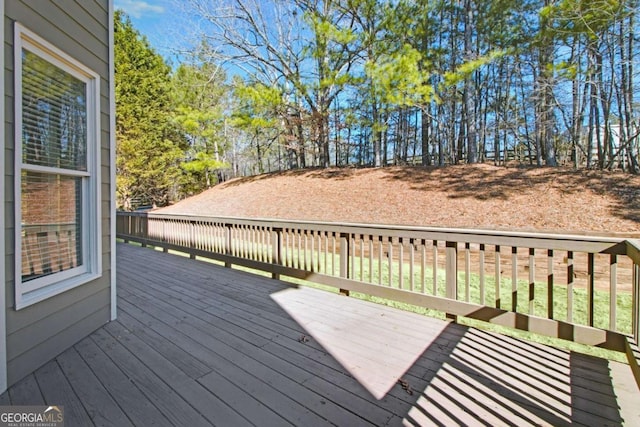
<point>580,288</point>
<point>48,248</point>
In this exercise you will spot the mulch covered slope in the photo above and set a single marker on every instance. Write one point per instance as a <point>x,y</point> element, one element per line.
<point>469,196</point>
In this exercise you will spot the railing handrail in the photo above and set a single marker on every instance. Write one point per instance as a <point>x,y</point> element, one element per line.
<point>473,235</point>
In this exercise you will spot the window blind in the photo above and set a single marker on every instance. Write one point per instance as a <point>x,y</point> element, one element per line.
<point>54,116</point>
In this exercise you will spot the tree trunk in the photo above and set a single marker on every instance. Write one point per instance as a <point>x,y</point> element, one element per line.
<point>469,114</point>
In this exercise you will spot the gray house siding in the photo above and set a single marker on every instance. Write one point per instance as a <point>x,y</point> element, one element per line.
<point>39,332</point>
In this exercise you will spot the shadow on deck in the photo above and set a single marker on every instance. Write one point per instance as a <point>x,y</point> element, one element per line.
<point>197,344</point>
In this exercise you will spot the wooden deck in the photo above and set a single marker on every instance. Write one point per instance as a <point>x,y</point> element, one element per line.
<point>197,344</point>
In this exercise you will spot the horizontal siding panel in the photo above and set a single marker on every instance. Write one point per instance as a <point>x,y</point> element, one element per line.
<point>38,356</point>
<point>91,34</point>
<point>25,339</point>
<point>52,28</point>
<point>98,10</point>
<point>17,321</point>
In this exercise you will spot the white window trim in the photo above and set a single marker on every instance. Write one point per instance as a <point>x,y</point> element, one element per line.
<point>3,276</point>
<point>112,161</point>
<point>48,286</point>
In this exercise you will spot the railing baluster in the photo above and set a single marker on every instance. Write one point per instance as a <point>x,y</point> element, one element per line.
<point>362,258</point>
<point>498,276</point>
<point>411,261</point>
<point>246,240</point>
<point>514,279</point>
<point>613,290</point>
<point>423,265</point>
<point>305,253</point>
<point>452,270</point>
<point>344,255</point>
<point>635,298</point>
<point>284,254</point>
<point>370,259</point>
<point>352,254</point>
<point>309,244</point>
<point>434,248</point>
<point>550,283</point>
<point>481,262</point>
<point>333,254</point>
<point>380,250</point>
<point>300,249</point>
<point>251,232</point>
<point>312,252</point>
<point>532,280</point>
<point>291,246</point>
<point>591,288</point>
<point>325,250</point>
<point>570,283</point>
<point>467,272</point>
<point>400,263</point>
<point>390,262</point>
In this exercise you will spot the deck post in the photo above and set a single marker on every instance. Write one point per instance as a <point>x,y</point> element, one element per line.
<point>344,259</point>
<point>165,249</point>
<point>276,249</point>
<point>227,243</point>
<point>635,315</point>
<point>451,254</point>
<point>192,239</point>
<point>142,228</point>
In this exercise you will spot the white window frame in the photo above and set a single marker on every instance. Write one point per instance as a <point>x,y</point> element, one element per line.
<point>35,290</point>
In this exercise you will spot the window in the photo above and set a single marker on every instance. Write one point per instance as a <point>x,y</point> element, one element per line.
<point>57,180</point>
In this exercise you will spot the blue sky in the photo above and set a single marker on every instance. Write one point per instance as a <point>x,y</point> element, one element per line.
<point>158,20</point>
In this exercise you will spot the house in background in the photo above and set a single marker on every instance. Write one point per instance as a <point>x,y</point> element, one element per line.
<point>59,172</point>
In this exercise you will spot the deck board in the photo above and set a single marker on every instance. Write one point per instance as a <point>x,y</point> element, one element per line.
<point>26,392</point>
<point>199,344</point>
<point>100,406</point>
<point>192,392</point>
<point>56,388</point>
<point>139,409</point>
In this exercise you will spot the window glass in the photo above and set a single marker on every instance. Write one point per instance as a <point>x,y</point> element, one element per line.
<point>51,224</point>
<point>54,115</point>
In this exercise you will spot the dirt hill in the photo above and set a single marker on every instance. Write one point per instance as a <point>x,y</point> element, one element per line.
<point>470,196</point>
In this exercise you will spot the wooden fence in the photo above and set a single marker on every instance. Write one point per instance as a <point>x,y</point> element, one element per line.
<point>580,288</point>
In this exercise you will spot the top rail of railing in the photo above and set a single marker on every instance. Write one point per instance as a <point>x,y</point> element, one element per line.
<point>569,242</point>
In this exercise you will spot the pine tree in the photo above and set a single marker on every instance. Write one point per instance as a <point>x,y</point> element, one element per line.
<point>148,146</point>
